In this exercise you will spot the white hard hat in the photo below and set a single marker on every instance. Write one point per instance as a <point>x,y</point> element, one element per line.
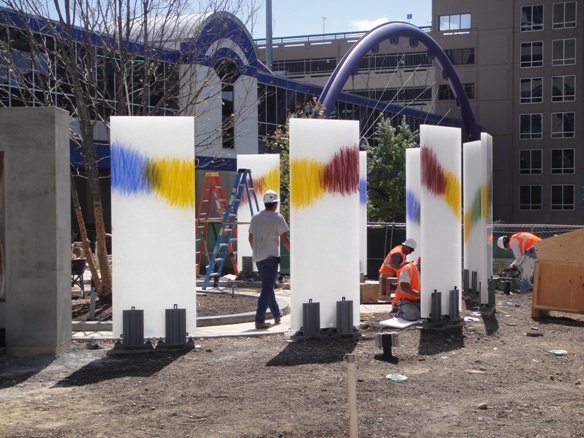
<point>501,242</point>
<point>410,242</point>
<point>271,196</point>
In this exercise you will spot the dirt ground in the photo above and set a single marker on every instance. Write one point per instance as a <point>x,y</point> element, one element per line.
<point>488,378</point>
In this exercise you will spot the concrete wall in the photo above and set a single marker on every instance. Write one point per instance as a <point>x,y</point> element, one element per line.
<point>36,313</point>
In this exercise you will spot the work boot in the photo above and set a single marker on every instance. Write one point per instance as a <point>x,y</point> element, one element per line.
<point>262,325</point>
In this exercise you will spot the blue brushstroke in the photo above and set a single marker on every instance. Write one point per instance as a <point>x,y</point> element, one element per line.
<point>127,170</point>
<point>412,207</point>
<point>363,191</point>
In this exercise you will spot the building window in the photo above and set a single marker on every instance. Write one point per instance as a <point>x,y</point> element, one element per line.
<point>391,62</point>
<point>407,95</point>
<point>461,56</point>
<point>531,90</point>
<point>531,18</point>
<point>563,125</point>
<point>532,54</point>
<point>562,197</point>
<point>564,52</point>
<point>530,162</point>
<point>563,160</point>
<point>564,15</point>
<point>228,72</point>
<point>563,88</point>
<point>530,126</point>
<point>454,22</point>
<point>529,197</point>
<point>445,92</point>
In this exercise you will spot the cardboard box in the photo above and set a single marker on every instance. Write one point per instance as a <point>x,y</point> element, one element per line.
<point>369,291</point>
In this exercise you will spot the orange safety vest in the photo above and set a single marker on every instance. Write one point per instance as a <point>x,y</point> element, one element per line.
<point>412,270</point>
<point>385,268</point>
<point>526,240</point>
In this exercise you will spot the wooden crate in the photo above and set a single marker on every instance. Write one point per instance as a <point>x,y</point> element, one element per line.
<point>557,286</point>
<point>369,291</point>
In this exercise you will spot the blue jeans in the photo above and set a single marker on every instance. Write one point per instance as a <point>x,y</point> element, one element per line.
<point>408,309</point>
<point>268,270</point>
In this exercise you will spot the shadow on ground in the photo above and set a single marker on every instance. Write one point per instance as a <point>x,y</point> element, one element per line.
<point>142,364</point>
<point>439,341</point>
<point>560,320</point>
<point>316,351</point>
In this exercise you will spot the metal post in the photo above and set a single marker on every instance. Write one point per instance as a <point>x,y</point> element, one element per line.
<point>352,395</point>
<point>436,306</point>
<point>454,311</point>
<point>465,282</point>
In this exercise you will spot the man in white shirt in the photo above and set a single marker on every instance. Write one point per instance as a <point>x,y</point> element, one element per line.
<point>265,231</point>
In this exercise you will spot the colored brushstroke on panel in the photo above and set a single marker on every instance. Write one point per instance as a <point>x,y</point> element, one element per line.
<point>412,207</point>
<point>363,191</point>
<point>311,179</point>
<point>171,179</point>
<point>263,183</point>
<point>439,181</point>
<point>472,215</point>
<point>478,210</point>
<point>127,170</point>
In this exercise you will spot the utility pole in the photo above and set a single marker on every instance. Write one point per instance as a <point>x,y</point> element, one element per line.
<point>269,34</point>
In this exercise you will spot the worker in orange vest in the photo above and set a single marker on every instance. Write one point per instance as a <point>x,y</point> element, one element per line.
<point>519,243</point>
<point>394,260</point>
<point>408,292</point>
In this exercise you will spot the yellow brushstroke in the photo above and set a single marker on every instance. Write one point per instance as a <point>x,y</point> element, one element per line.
<point>173,180</point>
<point>305,186</point>
<point>452,192</point>
<point>468,224</point>
<point>485,202</point>
<point>270,181</point>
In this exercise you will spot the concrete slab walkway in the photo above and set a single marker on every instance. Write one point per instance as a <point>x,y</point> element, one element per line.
<point>103,331</point>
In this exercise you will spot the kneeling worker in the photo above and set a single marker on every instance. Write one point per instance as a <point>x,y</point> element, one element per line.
<point>522,245</point>
<point>408,292</point>
<point>519,243</point>
<point>394,261</point>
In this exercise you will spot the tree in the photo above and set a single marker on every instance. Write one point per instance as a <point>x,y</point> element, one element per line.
<point>386,180</point>
<point>96,59</point>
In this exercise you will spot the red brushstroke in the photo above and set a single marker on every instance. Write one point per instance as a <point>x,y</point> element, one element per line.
<point>258,186</point>
<point>342,174</point>
<point>432,173</point>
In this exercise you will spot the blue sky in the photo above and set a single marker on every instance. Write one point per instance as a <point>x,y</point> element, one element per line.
<point>304,17</point>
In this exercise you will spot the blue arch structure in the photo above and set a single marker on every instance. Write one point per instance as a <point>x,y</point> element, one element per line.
<point>392,32</point>
<point>224,26</point>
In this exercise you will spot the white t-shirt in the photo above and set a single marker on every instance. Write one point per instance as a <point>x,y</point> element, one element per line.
<point>405,277</point>
<point>266,227</point>
<point>518,252</point>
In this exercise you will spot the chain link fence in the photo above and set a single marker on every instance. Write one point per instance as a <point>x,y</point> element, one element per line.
<point>382,237</point>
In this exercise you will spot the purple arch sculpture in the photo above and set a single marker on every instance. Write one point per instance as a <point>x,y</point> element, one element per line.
<point>392,32</point>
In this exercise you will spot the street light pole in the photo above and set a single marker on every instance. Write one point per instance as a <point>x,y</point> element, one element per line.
<point>323,19</point>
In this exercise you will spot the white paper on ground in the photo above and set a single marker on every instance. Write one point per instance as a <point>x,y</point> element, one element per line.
<point>399,322</point>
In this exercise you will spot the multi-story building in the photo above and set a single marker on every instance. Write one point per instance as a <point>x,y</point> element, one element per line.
<point>517,61</point>
<point>525,77</point>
